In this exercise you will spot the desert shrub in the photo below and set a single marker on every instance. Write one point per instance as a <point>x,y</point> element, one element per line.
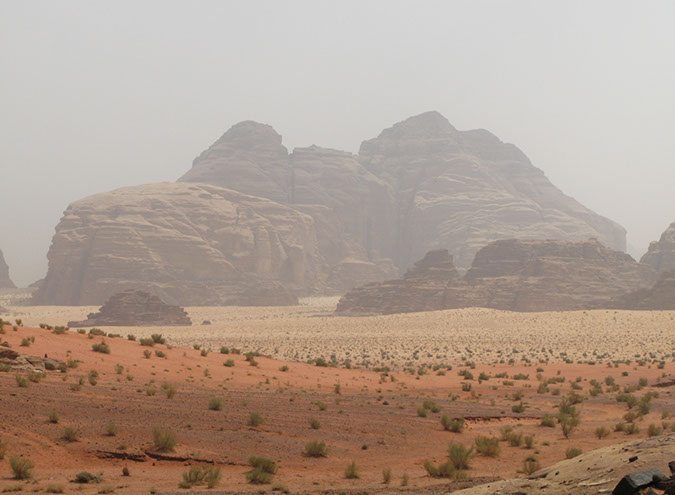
<point>255,419</point>
<point>119,369</point>
<point>515,439</point>
<point>459,455</point>
<point>125,471</point>
<point>386,476</point>
<point>547,421</point>
<point>101,347</point>
<point>443,470</point>
<point>87,477</point>
<point>224,350</point>
<point>631,429</point>
<point>53,416</point>
<point>654,431</point>
<point>204,353</point>
<point>229,363</point>
<point>568,417</point>
<point>163,440</point>
<point>601,432</point>
<point>530,465</point>
<point>351,471</point>
<point>147,354</point>
<point>572,452</point>
<point>216,404</point>
<point>520,376</point>
<point>518,408</point>
<point>160,354</point>
<point>337,389</point>
<point>25,342</point>
<point>421,412</point>
<point>284,368</point>
<point>263,470</point>
<point>21,381</point>
<point>131,337</point>
<point>157,338</point>
<point>147,342</point>
<point>69,434</point>
<point>198,475</point>
<point>504,432</point>
<point>487,446</point>
<point>54,489</point>
<point>529,441</point>
<point>316,449</point>
<point>3,449</point>
<point>453,425</point>
<point>431,406</point>
<point>97,331</point>
<point>22,469</point>
<point>35,376</point>
<point>321,405</point>
<point>110,429</point>
<point>314,424</point>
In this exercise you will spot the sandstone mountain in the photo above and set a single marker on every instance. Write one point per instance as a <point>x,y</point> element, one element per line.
<point>462,189</point>
<point>315,221</point>
<point>133,308</point>
<point>5,281</point>
<point>661,253</point>
<point>192,244</point>
<point>512,274</point>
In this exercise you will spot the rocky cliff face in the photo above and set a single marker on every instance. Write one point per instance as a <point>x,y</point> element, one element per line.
<point>5,281</point>
<point>314,221</point>
<point>514,275</point>
<point>190,244</point>
<point>661,296</point>
<point>661,253</point>
<point>462,189</point>
<point>135,308</point>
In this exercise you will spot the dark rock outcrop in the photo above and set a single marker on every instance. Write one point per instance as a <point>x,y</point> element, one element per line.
<point>5,281</point>
<point>661,253</point>
<point>18,362</point>
<point>135,308</point>
<point>512,274</point>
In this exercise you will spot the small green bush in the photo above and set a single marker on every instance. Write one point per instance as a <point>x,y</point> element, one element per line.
<point>21,468</point>
<point>70,435</point>
<point>351,471</point>
<point>255,419</point>
<point>459,455</point>
<point>453,425</point>
<point>87,477</point>
<point>316,449</point>
<point>163,440</point>
<point>216,404</point>
<point>572,452</point>
<point>487,446</point>
<point>101,347</point>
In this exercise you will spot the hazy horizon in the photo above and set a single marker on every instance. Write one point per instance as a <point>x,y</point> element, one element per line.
<point>96,96</point>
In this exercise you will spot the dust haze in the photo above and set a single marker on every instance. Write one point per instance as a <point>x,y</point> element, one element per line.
<point>97,95</point>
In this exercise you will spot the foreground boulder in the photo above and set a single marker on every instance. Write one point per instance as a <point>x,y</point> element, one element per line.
<point>191,244</point>
<point>597,471</point>
<point>5,281</point>
<point>17,362</point>
<point>135,308</point>
<point>514,275</point>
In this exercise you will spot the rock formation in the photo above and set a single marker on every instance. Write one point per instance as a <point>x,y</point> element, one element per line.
<point>512,274</point>
<point>18,362</point>
<point>5,281</point>
<point>661,296</point>
<point>135,308</point>
<point>315,221</point>
<point>462,189</point>
<point>661,253</point>
<point>191,244</point>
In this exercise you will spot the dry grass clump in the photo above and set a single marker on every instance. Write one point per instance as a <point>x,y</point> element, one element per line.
<point>22,469</point>
<point>316,449</point>
<point>452,424</point>
<point>163,440</point>
<point>198,475</point>
<point>263,470</point>
<point>487,446</point>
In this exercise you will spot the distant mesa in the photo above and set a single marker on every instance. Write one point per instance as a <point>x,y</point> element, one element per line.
<point>5,281</point>
<point>512,274</point>
<point>135,308</point>
<point>252,224</point>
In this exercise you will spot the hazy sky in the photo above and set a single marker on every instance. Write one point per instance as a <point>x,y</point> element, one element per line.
<point>95,95</point>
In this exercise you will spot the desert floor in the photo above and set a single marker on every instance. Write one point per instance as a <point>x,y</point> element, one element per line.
<point>373,420</point>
